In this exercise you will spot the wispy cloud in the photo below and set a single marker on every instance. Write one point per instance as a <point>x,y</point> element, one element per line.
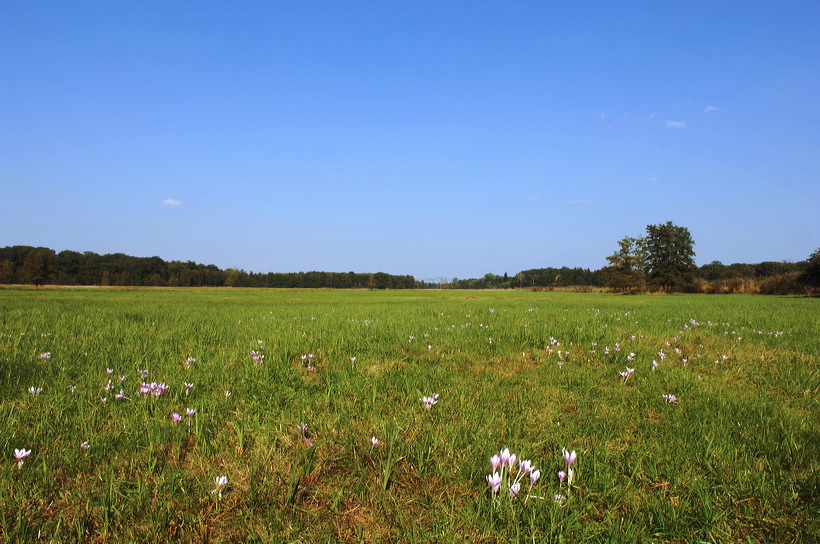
<point>171,203</point>
<point>675,124</point>
<point>653,179</point>
<point>711,108</point>
<point>579,202</point>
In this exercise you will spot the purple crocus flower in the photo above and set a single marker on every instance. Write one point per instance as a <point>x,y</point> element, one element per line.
<point>511,461</point>
<point>494,480</point>
<point>515,489</point>
<point>20,455</point>
<point>505,456</point>
<point>220,482</point>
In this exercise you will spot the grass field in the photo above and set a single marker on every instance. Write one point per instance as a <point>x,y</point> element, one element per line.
<point>326,437</point>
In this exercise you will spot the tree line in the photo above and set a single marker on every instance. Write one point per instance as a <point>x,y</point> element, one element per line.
<point>660,261</point>
<point>44,266</point>
<point>536,278</point>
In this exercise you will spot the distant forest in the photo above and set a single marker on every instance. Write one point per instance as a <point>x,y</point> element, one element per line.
<point>44,266</point>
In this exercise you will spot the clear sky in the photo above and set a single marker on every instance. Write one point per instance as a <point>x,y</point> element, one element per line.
<point>432,138</point>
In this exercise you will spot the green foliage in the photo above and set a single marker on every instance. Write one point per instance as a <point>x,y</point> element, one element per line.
<point>39,266</point>
<point>625,272</point>
<point>663,260</point>
<point>670,257</point>
<point>811,275</point>
<point>556,277</point>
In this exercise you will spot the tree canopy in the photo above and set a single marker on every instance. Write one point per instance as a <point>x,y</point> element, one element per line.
<point>626,270</point>
<point>670,257</point>
<point>664,259</point>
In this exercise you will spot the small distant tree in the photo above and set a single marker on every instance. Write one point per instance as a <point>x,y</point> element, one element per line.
<point>38,266</point>
<point>626,267</point>
<point>670,257</point>
<point>233,277</point>
<point>811,275</point>
<point>381,280</point>
<point>6,271</point>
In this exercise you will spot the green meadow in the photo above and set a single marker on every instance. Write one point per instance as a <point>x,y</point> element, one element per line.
<point>321,435</point>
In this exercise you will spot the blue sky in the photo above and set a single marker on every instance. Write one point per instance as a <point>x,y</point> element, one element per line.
<point>410,137</point>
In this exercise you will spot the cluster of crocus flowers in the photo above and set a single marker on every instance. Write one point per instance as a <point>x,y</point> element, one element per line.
<point>429,401</point>
<point>45,356</point>
<point>505,474</point>
<point>20,455</point>
<point>153,388</point>
<point>567,475</point>
<point>308,359</point>
<point>176,418</point>
<point>188,362</point>
<point>257,356</point>
<point>569,457</point>
<point>672,399</point>
<point>34,390</point>
<point>626,373</point>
